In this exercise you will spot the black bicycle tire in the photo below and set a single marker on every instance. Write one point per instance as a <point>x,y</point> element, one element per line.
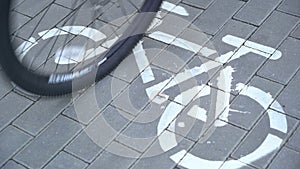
<point>39,84</point>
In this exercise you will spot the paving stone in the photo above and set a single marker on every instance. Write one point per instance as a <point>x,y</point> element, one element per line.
<point>134,98</point>
<point>190,123</point>
<point>199,3</point>
<point>14,4</point>
<point>286,158</point>
<point>152,158</point>
<point>142,130</point>
<point>110,160</point>
<point>218,145</point>
<point>47,19</point>
<point>274,30</point>
<point>275,135</point>
<point>64,160</point>
<point>245,110</point>
<point>192,11</point>
<point>48,143</point>
<point>293,141</point>
<point>12,105</point>
<point>296,32</point>
<point>290,6</point>
<point>72,4</point>
<point>111,122</point>
<point>289,97</point>
<point>273,69</point>
<point>5,85</point>
<point>95,99</point>
<point>256,11</point>
<point>12,165</point>
<point>32,8</point>
<point>128,69</point>
<point>84,148</point>
<point>41,114</point>
<point>234,28</point>
<point>173,58</point>
<point>17,20</point>
<point>236,164</point>
<point>11,140</point>
<point>220,12</point>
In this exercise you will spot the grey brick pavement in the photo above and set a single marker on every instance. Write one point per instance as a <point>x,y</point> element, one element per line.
<point>40,132</point>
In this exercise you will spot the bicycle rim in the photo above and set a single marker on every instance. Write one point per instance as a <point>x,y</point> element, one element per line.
<point>45,49</point>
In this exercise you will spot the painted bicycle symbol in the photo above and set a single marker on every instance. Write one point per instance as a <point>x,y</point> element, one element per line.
<point>166,127</point>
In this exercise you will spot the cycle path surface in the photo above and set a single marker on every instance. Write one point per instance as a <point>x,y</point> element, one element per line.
<point>153,110</point>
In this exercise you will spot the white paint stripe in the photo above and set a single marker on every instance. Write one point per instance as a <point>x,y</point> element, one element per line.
<point>90,33</point>
<point>179,78</point>
<point>261,97</point>
<point>198,113</point>
<point>245,50</point>
<point>170,39</point>
<point>143,63</point>
<point>24,48</point>
<point>222,100</point>
<point>260,47</point>
<point>277,122</point>
<point>51,33</point>
<point>167,140</point>
<point>233,40</point>
<point>187,96</point>
<point>178,156</point>
<point>193,162</point>
<point>174,8</point>
<point>270,144</point>
<point>171,112</point>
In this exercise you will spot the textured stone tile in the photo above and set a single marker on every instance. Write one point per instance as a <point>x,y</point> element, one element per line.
<point>296,32</point>
<point>256,11</point>
<point>12,165</point>
<point>114,160</point>
<point>64,160</point>
<point>265,139</point>
<point>41,114</point>
<point>234,28</point>
<point>84,148</point>
<point>199,3</point>
<point>274,30</point>
<point>31,7</point>
<point>283,69</point>
<point>248,106</point>
<point>11,140</point>
<point>156,157</point>
<point>294,139</point>
<point>289,97</point>
<point>48,143</point>
<point>95,99</point>
<point>220,12</point>
<point>12,105</point>
<point>286,158</point>
<point>290,6</point>
<point>5,87</point>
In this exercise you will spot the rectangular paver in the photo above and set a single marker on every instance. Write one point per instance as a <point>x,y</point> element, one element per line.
<point>64,160</point>
<point>48,143</point>
<point>11,140</point>
<point>41,114</point>
<point>286,158</point>
<point>12,105</point>
<point>289,98</point>
<point>274,30</point>
<point>283,69</point>
<point>256,11</point>
<point>290,6</point>
<point>212,19</point>
<point>263,132</point>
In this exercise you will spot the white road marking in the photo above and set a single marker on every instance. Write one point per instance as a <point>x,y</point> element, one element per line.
<point>198,113</point>
<point>174,8</point>
<point>223,95</point>
<point>143,63</point>
<point>25,47</point>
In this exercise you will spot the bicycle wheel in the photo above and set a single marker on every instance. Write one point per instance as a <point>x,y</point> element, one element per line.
<point>69,49</point>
